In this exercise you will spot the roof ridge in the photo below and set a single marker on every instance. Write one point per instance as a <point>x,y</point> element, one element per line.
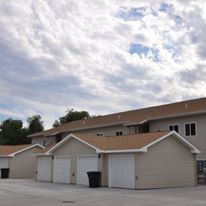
<point>118,114</point>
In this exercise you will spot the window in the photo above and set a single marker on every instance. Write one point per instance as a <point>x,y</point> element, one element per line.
<point>144,128</point>
<point>174,128</point>
<point>190,129</point>
<point>119,133</point>
<point>58,138</point>
<point>99,134</point>
<point>45,143</point>
<point>201,167</point>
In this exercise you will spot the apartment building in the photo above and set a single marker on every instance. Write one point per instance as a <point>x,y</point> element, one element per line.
<point>188,118</point>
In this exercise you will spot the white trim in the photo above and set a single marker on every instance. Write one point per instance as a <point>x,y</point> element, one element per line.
<point>174,124</point>
<point>109,171</point>
<point>122,151</point>
<point>67,138</point>
<point>27,148</point>
<point>192,148</point>
<point>41,154</point>
<point>119,131</point>
<point>99,134</point>
<point>190,129</point>
<point>63,156</point>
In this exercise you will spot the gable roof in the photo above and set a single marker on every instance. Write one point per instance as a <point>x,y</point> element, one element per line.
<point>133,117</point>
<point>127,143</point>
<point>43,152</point>
<point>12,150</point>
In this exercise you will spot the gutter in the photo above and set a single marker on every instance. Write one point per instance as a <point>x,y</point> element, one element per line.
<point>165,117</point>
<point>124,123</point>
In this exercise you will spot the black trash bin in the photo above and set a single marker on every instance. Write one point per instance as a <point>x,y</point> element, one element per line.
<point>94,179</point>
<point>4,173</point>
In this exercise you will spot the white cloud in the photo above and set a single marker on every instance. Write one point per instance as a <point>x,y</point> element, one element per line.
<point>75,54</point>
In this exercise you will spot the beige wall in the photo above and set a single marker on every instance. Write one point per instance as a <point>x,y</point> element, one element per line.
<point>166,164</point>
<point>107,131</point>
<point>105,164</point>
<point>23,165</point>
<point>199,140</point>
<point>74,148</point>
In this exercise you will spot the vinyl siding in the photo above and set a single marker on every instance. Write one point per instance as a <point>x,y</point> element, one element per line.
<point>23,165</point>
<point>166,164</point>
<point>198,140</point>
<point>105,164</point>
<point>74,148</point>
<point>107,131</point>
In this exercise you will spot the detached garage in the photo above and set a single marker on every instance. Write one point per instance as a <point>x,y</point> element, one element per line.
<point>18,161</point>
<point>140,161</point>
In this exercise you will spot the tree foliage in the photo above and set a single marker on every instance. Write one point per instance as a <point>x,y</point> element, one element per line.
<point>35,124</point>
<point>12,131</point>
<point>71,115</point>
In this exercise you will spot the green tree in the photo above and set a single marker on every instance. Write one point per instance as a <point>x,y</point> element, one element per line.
<point>13,133</point>
<point>35,124</point>
<point>71,115</point>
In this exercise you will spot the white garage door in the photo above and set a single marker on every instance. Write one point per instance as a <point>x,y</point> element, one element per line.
<point>122,171</point>
<point>44,169</point>
<point>61,170</point>
<point>85,164</point>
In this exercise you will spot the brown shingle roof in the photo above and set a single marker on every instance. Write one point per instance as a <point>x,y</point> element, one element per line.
<point>46,149</point>
<point>136,141</point>
<point>134,116</point>
<point>10,149</point>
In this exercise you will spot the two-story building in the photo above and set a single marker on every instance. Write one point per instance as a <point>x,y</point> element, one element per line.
<point>188,118</point>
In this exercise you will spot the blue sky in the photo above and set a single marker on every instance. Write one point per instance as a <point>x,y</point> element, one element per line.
<point>101,56</point>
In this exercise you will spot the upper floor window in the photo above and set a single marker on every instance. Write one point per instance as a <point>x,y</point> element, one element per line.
<point>99,134</point>
<point>58,138</point>
<point>190,129</point>
<point>119,133</point>
<point>174,127</point>
<point>144,128</point>
<point>45,143</point>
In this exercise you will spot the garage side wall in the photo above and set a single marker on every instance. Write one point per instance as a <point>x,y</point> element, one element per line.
<point>23,165</point>
<point>167,164</point>
<point>74,148</point>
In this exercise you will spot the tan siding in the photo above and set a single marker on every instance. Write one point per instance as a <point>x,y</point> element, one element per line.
<point>104,170</point>
<point>107,131</point>
<point>23,165</point>
<point>166,164</point>
<point>74,148</point>
<point>198,141</point>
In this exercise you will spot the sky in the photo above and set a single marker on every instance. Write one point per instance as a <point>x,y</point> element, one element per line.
<point>101,56</point>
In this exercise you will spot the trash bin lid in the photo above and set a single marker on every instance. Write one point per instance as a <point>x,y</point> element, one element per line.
<point>93,173</point>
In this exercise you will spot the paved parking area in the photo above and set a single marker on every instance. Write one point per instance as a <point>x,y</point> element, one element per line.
<point>31,193</point>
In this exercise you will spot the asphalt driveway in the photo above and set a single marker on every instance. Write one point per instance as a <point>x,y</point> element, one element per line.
<point>29,192</point>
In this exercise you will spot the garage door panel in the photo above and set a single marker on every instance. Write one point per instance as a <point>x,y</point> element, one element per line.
<point>4,163</point>
<point>122,171</point>
<point>85,164</point>
<point>62,170</point>
<point>44,169</point>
